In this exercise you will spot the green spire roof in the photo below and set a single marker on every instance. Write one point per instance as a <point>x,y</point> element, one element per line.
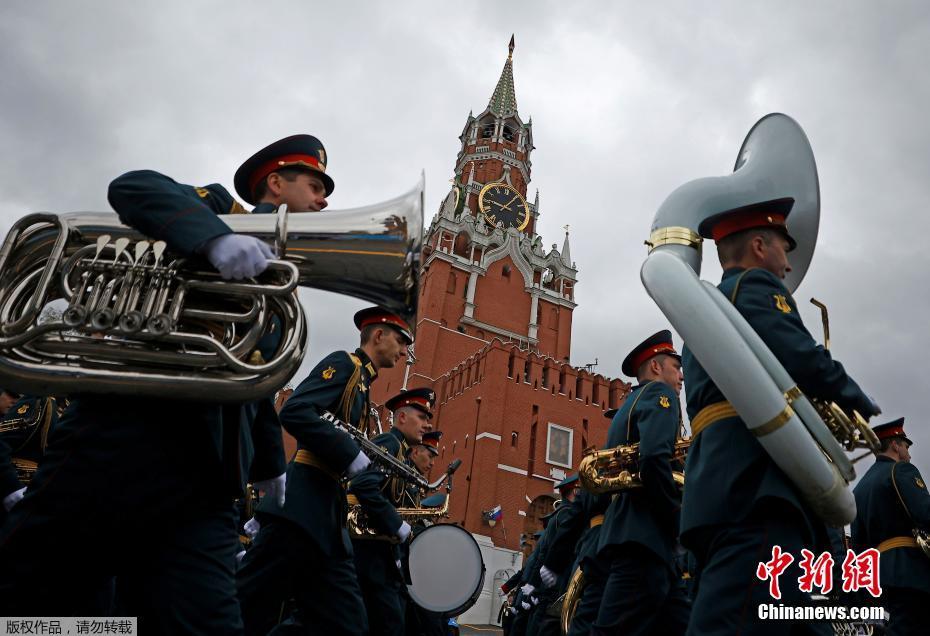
<point>504,100</point>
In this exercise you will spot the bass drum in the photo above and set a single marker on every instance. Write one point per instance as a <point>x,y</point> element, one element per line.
<point>446,570</point>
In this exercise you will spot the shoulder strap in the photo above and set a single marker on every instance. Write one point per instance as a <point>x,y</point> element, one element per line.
<point>629,414</point>
<point>739,280</point>
<point>345,402</point>
<point>898,492</point>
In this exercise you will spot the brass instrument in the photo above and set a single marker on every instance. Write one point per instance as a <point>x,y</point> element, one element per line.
<point>570,600</point>
<point>775,164</point>
<point>143,321</point>
<point>851,430</point>
<point>923,541</point>
<point>616,469</point>
<point>25,469</point>
<point>357,522</point>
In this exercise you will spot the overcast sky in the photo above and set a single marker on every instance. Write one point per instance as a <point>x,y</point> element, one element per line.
<point>629,100</point>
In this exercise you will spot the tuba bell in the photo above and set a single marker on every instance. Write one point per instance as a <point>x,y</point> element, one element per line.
<point>142,321</point>
<point>774,162</point>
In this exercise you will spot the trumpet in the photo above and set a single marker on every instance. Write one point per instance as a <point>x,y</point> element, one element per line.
<point>616,469</point>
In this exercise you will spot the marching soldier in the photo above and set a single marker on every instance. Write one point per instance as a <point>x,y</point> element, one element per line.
<point>119,467</point>
<point>302,549</point>
<point>555,557</point>
<point>378,559</point>
<point>424,454</point>
<point>738,503</point>
<point>891,502</point>
<point>641,594</point>
<point>595,572</point>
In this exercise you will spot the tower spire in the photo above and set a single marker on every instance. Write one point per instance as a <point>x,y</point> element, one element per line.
<point>566,251</point>
<point>504,100</point>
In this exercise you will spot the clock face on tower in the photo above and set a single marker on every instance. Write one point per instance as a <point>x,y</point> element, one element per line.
<point>501,205</point>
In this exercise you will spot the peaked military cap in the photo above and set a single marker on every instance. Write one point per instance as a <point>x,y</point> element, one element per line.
<point>305,151</point>
<point>568,481</point>
<point>419,398</point>
<point>652,346</point>
<point>609,413</point>
<point>892,430</point>
<point>378,316</point>
<point>431,441</point>
<point>768,214</point>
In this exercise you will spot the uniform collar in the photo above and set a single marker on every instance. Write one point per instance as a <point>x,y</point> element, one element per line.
<point>264,208</point>
<point>884,458</point>
<point>400,437</point>
<point>367,363</point>
<point>733,271</point>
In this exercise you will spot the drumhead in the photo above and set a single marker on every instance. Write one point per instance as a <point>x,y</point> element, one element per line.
<point>446,570</point>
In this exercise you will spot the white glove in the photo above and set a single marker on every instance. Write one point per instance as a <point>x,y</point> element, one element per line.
<point>524,605</point>
<point>274,487</point>
<point>403,532</point>
<point>251,527</point>
<point>239,556</point>
<point>360,463</point>
<point>238,255</point>
<point>13,498</point>
<point>534,600</point>
<point>548,576</point>
<point>527,589</point>
<point>399,566</point>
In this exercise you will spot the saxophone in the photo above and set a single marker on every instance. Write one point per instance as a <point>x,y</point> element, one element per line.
<point>617,469</point>
<point>357,520</point>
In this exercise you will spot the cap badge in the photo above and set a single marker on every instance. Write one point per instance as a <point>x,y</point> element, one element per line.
<point>22,409</point>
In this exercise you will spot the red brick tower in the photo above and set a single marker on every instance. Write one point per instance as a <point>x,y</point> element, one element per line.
<point>493,335</point>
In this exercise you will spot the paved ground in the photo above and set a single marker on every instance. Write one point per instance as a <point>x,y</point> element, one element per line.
<point>480,630</point>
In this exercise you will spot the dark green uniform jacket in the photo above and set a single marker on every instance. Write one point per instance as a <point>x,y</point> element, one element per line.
<point>315,498</point>
<point>891,500</point>
<point>728,471</point>
<point>648,516</point>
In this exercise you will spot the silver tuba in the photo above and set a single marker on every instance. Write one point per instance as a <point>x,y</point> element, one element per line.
<point>139,320</point>
<point>774,162</point>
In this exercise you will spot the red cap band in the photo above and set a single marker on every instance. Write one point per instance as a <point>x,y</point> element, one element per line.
<point>891,431</point>
<point>734,223</point>
<point>308,161</point>
<point>664,347</point>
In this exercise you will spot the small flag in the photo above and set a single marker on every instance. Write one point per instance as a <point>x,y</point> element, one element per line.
<point>495,513</point>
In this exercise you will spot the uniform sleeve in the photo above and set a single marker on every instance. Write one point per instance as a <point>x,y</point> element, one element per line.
<point>913,491</point>
<point>163,209</point>
<point>8,479</point>
<point>319,392</point>
<point>265,428</point>
<point>572,522</point>
<point>369,487</point>
<point>658,421</point>
<point>773,314</point>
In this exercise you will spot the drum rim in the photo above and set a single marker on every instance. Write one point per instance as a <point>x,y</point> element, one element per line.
<point>471,600</point>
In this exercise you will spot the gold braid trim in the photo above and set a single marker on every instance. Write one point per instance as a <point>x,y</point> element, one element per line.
<point>348,395</point>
